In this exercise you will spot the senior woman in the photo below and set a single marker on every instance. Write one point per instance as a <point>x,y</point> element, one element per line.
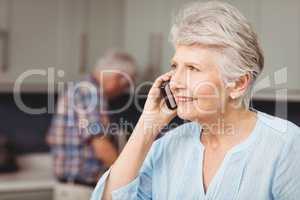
<point>226,151</point>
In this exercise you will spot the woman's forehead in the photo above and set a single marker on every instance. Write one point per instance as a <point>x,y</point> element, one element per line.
<point>194,54</point>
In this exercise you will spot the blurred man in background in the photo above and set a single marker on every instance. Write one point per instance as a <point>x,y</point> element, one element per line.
<point>79,139</point>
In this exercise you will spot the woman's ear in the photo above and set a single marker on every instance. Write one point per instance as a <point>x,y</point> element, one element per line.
<point>239,87</point>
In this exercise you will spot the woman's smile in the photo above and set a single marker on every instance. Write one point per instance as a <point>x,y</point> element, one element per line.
<point>184,99</point>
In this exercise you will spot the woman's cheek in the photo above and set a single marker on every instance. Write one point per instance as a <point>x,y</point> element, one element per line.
<point>207,95</point>
<point>205,89</point>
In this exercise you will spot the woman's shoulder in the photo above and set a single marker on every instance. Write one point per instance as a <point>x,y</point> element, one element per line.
<point>280,131</point>
<point>279,126</point>
<point>281,141</point>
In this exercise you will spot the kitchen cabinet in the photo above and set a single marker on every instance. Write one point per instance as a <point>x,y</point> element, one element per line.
<point>42,34</point>
<point>56,40</point>
<point>33,181</point>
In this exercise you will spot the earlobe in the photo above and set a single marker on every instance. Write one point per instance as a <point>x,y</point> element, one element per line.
<point>238,87</point>
<point>234,96</point>
<point>231,84</point>
<point>237,94</point>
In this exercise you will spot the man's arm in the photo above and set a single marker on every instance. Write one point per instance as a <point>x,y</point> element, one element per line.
<point>104,150</point>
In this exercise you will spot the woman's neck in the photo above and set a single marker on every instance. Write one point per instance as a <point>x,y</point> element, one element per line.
<point>227,130</point>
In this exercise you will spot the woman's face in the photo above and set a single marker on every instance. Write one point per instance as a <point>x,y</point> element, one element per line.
<point>196,82</point>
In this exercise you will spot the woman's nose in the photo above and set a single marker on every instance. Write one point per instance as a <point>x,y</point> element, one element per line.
<point>177,81</point>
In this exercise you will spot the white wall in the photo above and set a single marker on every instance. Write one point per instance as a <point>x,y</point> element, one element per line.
<point>105,27</point>
<point>277,23</point>
<point>47,32</point>
<point>280,37</point>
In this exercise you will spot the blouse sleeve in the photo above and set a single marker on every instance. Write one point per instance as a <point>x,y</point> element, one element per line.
<point>138,189</point>
<point>286,185</point>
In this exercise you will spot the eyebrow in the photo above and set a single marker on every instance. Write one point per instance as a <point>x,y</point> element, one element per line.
<point>188,64</point>
<point>194,64</point>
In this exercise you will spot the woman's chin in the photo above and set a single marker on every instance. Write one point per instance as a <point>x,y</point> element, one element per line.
<point>185,114</point>
<point>192,114</point>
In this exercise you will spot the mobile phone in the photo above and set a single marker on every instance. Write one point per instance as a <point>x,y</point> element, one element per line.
<point>167,95</point>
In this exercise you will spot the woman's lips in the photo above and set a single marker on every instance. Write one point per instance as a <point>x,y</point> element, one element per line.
<point>184,99</point>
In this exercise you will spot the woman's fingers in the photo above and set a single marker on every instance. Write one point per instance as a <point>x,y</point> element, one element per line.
<point>154,96</point>
<point>155,89</point>
<point>155,103</point>
<point>165,77</point>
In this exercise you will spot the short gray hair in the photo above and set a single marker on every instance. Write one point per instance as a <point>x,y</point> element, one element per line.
<point>220,25</point>
<point>117,60</point>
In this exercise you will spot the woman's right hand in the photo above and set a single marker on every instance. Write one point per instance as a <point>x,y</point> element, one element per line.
<point>155,108</point>
<point>155,115</point>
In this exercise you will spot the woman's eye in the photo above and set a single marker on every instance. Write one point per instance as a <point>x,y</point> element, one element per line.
<point>173,66</point>
<point>193,68</point>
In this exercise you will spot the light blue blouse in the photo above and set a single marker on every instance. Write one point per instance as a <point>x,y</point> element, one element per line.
<point>265,166</point>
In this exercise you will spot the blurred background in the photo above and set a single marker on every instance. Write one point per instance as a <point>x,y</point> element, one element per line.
<point>62,39</point>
